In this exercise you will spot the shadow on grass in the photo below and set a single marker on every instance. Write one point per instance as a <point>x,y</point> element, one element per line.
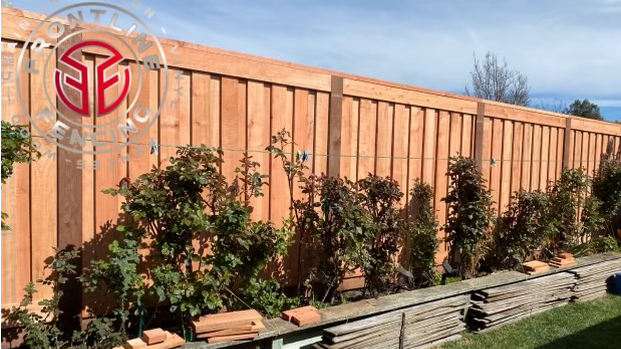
<point>605,335</point>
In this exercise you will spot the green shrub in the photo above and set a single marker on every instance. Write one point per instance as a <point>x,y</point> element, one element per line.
<point>44,330</point>
<point>469,214</point>
<point>566,197</point>
<point>119,274</point>
<point>340,234</point>
<point>304,219</point>
<point>607,189</point>
<point>267,296</point>
<point>422,233</point>
<point>190,201</point>
<point>16,148</point>
<point>329,219</point>
<point>602,244</point>
<point>379,198</point>
<point>523,228</point>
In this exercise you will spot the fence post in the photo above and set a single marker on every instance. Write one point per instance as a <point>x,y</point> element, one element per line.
<point>478,135</point>
<point>566,142</point>
<point>69,217</point>
<point>334,126</point>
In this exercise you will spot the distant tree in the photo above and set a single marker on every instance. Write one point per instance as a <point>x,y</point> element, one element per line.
<point>494,80</point>
<point>585,109</point>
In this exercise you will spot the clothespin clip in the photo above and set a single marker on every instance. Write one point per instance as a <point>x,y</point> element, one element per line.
<point>301,155</point>
<point>154,148</point>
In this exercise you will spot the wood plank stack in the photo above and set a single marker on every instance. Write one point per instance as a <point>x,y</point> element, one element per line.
<point>535,267</point>
<point>234,325</point>
<point>499,305</point>
<point>154,339</point>
<point>302,316</point>
<point>591,280</point>
<point>425,324</point>
<point>563,260</point>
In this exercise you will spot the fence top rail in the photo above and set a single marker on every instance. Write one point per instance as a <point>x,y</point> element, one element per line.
<point>202,58</point>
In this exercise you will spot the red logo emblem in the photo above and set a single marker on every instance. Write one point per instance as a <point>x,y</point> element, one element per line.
<point>81,84</point>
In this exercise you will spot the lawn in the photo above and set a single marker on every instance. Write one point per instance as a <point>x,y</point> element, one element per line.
<point>594,324</point>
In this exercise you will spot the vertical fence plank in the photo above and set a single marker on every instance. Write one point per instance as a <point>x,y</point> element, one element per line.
<point>347,163</point>
<point>468,138</point>
<point>496,169</point>
<point>44,190</point>
<point>456,132</point>
<point>321,134</point>
<point>553,157</point>
<point>335,125</point>
<point>400,150</point>
<point>233,124</point>
<point>258,134</point>
<point>441,180</point>
<point>516,159</point>
<point>478,135</point>
<point>384,139</point>
<point>416,132</point>
<point>367,137</point>
<point>545,157</point>
<point>506,165</point>
<point>487,149</point>
<point>429,146</point>
<point>536,156</point>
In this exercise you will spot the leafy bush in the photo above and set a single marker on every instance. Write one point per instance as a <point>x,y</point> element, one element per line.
<point>184,208</point>
<point>304,218</point>
<point>43,329</point>
<point>592,220</point>
<point>169,208</point>
<point>567,195</point>
<point>16,148</point>
<point>329,219</point>
<point>267,296</point>
<point>119,273</point>
<point>379,198</point>
<point>523,228</point>
<point>598,244</point>
<point>470,214</point>
<point>341,231</point>
<point>422,232</point>
<point>602,244</point>
<point>606,188</point>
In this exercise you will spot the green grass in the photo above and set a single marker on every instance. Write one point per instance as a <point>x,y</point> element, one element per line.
<point>595,324</point>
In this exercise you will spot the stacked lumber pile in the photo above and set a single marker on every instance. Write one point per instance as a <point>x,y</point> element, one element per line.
<point>498,305</point>
<point>535,267</point>
<point>154,339</point>
<point>234,325</point>
<point>563,260</point>
<point>302,316</point>
<point>424,325</point>
<point>591,280</point>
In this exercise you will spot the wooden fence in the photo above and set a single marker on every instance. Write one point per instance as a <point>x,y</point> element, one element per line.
<point>349,125</point>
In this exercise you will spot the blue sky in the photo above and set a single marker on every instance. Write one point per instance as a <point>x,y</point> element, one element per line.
<point>567,48</point>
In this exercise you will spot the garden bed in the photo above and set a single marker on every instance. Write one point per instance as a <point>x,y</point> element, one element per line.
<point>282,334</point>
